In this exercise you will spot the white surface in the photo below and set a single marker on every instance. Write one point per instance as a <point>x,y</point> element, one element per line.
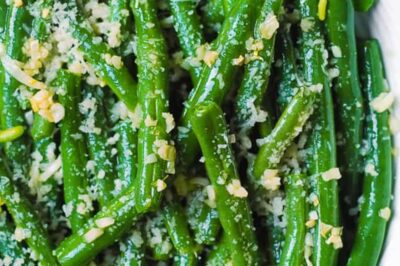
<point>384,24</point>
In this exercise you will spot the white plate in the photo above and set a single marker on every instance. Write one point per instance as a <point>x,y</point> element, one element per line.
<point>383,23</point>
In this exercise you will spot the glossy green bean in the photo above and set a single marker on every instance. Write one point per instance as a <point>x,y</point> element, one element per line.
<point>204,220</point>
<point>257,71</point>
<point>91,239</point>
<point>347,92</point>
<point>213,13</point>
<point>211,131</point>
<point>26,220</point>
<point>97,143</point>
<point>176,224</point>
<point>377,189</point>
<point>287,128</point>
<point>322,143</point>
<point>293,249</point>
<point>221,254</point>
<point>188,27</point>
<point>11,113</point>
<point>73,143</point>
<point>215,81</point>
<point>158,240</point>
<point>126,152</point>
<point>152,90</point>
<point>118,79</point>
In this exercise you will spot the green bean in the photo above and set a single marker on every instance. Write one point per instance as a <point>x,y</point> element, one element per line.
<point>363,5</point>
<point>287,128</point>
<point>152,90</point>
<point>133,248</point>
<point>29,227</point>
<point>293,249</point>
<point>126,152</point>
<point>9,247</point>
<point>221,254</point>
<point>41,127</point>
<point>378,177</point>
<point>95,125</point>
<point>117,78</point>
<point>175,222</point>
<point>288,81</point>
<point>72,143</point>
<point>41,24</point>
<point>204,220</point>
<point>257,71</point>
<point>216,80</point>
<point>322,142</point>
<point>95,236</point>
<point>347,92</point>
<point>228,5</point>
<point>11,113</point>
<point>187,25</point>
<point>234,212</point>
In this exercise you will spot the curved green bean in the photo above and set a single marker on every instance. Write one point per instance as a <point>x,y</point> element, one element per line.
<point>322,143</point>
<point>29,227</point>
<point>72,142</point>
<point>230,197</point>
<point>378,179</point>
<point>152,90</point>
<point>293,249</point>
<point>216,80</point>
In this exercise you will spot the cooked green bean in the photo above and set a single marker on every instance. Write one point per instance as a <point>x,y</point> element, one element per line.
<point>72,142</point>
<point>293,249</point>
<point>322,142</point>
<point>363,5</point>
<point>12,114</point>
<point>95,125</point>
<point>230,197</point>
<point>188,27</point>
<point>216,77</point>
<point>99,232</point>
<point>28,225</point>
<point>347,92</point>
<point>132,248</point>
<point>378,179</point>
<point>175,222</point>
<point>257,71</point>
<point>152,90</point>
<point>221,254</point>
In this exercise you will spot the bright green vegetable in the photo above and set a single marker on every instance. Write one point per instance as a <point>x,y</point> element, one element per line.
<point>257,72</point>
<point>211,131</point>
<point>132,248</point>
<point>378,179</point>
<point>322,143</point>
<point>72,143</point>
<point>188,27</point>
<point>91,239</point>
<point>97,143</point>
<point>152,90</point>
<point>347,92</point>
<point>221,254</point>
<point>28,224</point>
<point>216,80</point>
<point>11,134</point>
<point>175,222</point>
<point>293,249</point>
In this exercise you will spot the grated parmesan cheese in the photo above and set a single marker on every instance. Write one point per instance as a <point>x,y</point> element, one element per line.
<point>211,196</point>
<point>270,179</point>
<point>149,122</point>
<point>238,61</point>
<point>18,3</point>
<point>370,169</point>
<point>307,24</point>
<point>104,222</point>
<point>269,26</point>
<point>335,238</point>
<point>336,51</point>
<point>21,234</point>
<point>151,158</point>
<point>210,57</point>
<point>394,124</point>
<point>236,189</point>
<point>385,213</point>
<point>161,185</point>
<point>383,102</point>
<point>93,234</point>
<point>331,174</point>
<point>169,120</point>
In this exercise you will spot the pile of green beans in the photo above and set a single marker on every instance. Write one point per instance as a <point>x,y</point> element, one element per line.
<point>281,153</point>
